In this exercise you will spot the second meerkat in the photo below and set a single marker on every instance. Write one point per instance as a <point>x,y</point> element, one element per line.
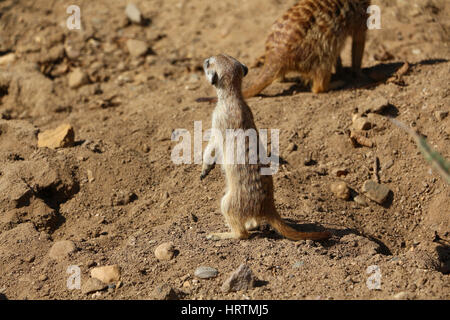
<point>249,195</point>
<point>308,38</point>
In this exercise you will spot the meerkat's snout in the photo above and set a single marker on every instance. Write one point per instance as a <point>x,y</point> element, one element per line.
<point>211,75</point>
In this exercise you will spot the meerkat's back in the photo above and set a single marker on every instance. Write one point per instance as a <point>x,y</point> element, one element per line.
<point>309,37</point>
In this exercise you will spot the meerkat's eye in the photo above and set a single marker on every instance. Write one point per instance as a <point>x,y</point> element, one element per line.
<point>244,67</point>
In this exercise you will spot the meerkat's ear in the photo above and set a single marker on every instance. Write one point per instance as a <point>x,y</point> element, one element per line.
<point>212,77</point>
<point>245,69</point>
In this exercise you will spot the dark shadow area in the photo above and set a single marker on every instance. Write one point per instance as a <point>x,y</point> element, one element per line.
<point>444,258</point>
<point>260,283</point>
<point>265,231</point>
<point>368,78</point>
<point>3,297</point>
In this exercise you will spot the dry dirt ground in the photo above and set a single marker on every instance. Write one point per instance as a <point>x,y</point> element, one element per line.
<point>117,195</point>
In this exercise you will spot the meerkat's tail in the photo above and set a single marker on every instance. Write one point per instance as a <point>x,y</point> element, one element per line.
<point>268,74</point>
<point>292,234</point>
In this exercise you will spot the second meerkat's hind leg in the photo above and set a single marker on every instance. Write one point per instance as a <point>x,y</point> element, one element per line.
<point>321,81</point>
<point>358,44</point>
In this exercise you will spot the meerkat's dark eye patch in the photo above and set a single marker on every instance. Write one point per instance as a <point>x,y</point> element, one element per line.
<point>245,69</point>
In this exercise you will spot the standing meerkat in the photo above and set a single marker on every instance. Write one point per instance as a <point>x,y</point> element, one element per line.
<point>308,38</point>
<point>248,199</point>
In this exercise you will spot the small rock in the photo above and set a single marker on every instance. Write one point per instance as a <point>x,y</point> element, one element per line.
<point>165,292</point>
<point>241,279</point>
<point>90,175</point>
<point>77,78</point>
<point>338,172</point>
<point>340,190</point>
<point>291,147</point>
<point>93,285</point>
<point>62,249</point>
<point>133,13</point>
<point>136,48</point>
<point>440,115</point>
<point>165,251</point>
<point>388,164</point>
<point>205,272</point>
<point>42,277</point>
<point>7,59</point>
<point>403,296</point>
<point>61,137</point>
<point>375,191</point>
<point>361,200</point>
<point>361,123</point>
<point>106,274</point>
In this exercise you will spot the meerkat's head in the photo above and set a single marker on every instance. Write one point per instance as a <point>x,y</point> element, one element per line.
<point>223,71</point>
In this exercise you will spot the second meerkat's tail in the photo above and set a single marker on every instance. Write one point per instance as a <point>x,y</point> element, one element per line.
<point>268,74</point>
<point>292,234</point>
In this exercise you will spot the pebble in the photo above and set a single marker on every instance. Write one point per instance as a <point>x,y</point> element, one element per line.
<point>62,249</point>
<point>241,279</point>
<point>42,277</point>
<point>133,13</point>
<point>340,190</point>
<point>93,285</point>
<point>165,251</point>
<point>298,264</point>
<point>7,59</point>
<point>106,274</point>
<point>61,137</point>
<point>361,200</point>
<point>205,272</point>
<point>77,78</point>
<point>440,115</point>
<point>403,295</point>
<point>375,191</point>
<point>338,172</point>
<point>164,292</point>
<point>136,48</point>
<point>361,123</point>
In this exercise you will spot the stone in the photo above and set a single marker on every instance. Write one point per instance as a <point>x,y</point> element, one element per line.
<point>361,200</point>
<point>93,285</point>
<point>338,172</point>
<point>136,48</point>
<point>403,295</point>
<point>77,78</point>
<point>62,249</point>
<point>106,274</point>
<point>133,13</point>
<point>7,59</point>
<point>205,272</point>
<point>440,115</point>
<point>362,123</point>
<point>165,251</point>
<point>375,191</point>
<point>165,292</point>
<point>241,279</point>
<point>42,277</point>
<point>61,137</point>
<point>340,190</point>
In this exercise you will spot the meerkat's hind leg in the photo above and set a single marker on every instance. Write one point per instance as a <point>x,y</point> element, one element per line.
<point>251,224</point>
<point>358,44</point>
<point>238,231</point>
<point>321,81</point>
